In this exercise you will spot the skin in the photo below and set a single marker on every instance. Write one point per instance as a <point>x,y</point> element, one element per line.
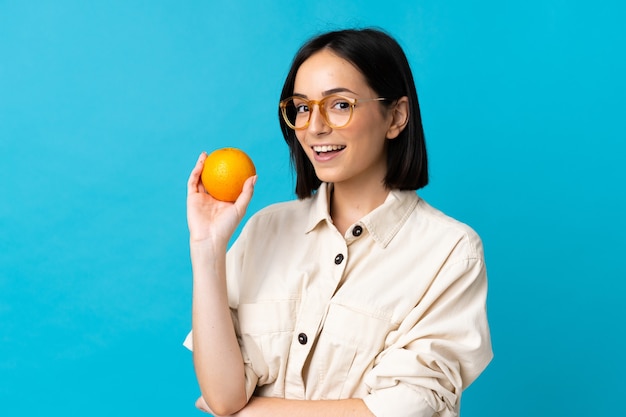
<point>357,171</point>
<point>211,223</point>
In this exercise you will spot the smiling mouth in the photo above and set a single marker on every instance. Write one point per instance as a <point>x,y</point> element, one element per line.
<point>327,148</point>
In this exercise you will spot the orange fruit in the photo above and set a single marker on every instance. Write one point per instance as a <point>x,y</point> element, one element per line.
<point>224,172</point>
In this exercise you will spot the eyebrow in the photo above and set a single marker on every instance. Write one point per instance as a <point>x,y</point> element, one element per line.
<point>329,92</point>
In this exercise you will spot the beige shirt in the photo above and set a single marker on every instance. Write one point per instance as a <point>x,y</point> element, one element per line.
<point>393,312</point>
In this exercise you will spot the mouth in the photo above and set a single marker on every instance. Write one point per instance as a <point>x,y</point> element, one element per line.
<point>327,149</point>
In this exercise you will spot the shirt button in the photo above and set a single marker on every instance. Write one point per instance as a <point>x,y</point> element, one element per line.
<point>357,231</point>
<point>338,259</point>
<point>302,339</point>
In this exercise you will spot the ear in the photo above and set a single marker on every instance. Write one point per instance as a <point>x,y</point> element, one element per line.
<point>400,117</point>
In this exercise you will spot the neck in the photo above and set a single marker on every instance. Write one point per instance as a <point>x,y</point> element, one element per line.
<point>349,204</point>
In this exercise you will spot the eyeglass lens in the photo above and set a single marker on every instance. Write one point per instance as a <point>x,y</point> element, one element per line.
<point>335,110</point>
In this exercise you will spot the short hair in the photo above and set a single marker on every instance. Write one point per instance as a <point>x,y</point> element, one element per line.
<point>386,69</point>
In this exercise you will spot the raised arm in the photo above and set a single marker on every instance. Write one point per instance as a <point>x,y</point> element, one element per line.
<point>216,354</point>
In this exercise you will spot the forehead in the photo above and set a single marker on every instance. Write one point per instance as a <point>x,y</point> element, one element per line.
<point>324,71</point>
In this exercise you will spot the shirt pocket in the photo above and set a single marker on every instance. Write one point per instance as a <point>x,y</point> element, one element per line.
<point>347,347</point>
<point>267,317</point>
<point>266,330</point>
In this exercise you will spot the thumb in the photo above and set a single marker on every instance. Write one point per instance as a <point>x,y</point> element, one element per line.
<point>246,195</point>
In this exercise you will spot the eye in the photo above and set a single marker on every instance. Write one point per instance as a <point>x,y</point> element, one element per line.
<point>301,106</point>
<point>339,104</point>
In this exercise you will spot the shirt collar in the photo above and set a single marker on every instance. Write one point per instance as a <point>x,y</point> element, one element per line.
<point>383,223</point>
<point>320,207</point>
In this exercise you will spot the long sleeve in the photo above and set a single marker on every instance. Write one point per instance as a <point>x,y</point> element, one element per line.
<point>439,349</point>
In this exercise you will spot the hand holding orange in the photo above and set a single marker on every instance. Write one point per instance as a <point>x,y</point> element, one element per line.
<point>225,170</point>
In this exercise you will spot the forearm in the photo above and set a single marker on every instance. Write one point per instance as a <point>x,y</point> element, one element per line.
<point>216,353</point>
<point>278,407</point>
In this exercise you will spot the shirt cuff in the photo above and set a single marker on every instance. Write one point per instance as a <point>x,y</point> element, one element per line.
<point>398,401</point>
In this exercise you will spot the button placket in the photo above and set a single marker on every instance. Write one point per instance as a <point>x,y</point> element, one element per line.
<point>313,306</point>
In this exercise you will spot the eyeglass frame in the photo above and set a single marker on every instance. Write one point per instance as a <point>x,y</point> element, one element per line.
<point>351,101</point>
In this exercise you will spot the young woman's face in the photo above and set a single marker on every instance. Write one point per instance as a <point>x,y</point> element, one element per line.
<point>356,153</point>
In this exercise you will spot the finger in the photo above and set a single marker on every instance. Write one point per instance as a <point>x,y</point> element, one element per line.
<point>246,195</point>
<point>201,188</point>
<point>194,183</point>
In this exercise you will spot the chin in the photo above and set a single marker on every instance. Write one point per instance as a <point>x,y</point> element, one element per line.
<point>325,176</point>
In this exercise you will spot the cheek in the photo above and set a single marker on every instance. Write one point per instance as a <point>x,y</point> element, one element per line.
<point>300,138</point>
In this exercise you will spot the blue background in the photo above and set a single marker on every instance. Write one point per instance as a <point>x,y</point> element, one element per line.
<point>104,107</point>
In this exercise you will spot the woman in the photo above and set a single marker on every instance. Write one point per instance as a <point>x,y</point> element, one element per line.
<point>357,299</point>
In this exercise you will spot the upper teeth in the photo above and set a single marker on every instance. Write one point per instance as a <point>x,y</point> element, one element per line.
<point>327,148</point>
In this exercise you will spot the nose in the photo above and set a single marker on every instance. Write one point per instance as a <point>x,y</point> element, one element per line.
<point>317,123</point>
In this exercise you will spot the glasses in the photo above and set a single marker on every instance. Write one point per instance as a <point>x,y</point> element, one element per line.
<point>336,110</point>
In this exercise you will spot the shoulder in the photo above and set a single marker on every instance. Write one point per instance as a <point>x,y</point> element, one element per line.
<point>281,216</point>
<point>282,210</point>
<point>440,219</point>
<point>440,226</point>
